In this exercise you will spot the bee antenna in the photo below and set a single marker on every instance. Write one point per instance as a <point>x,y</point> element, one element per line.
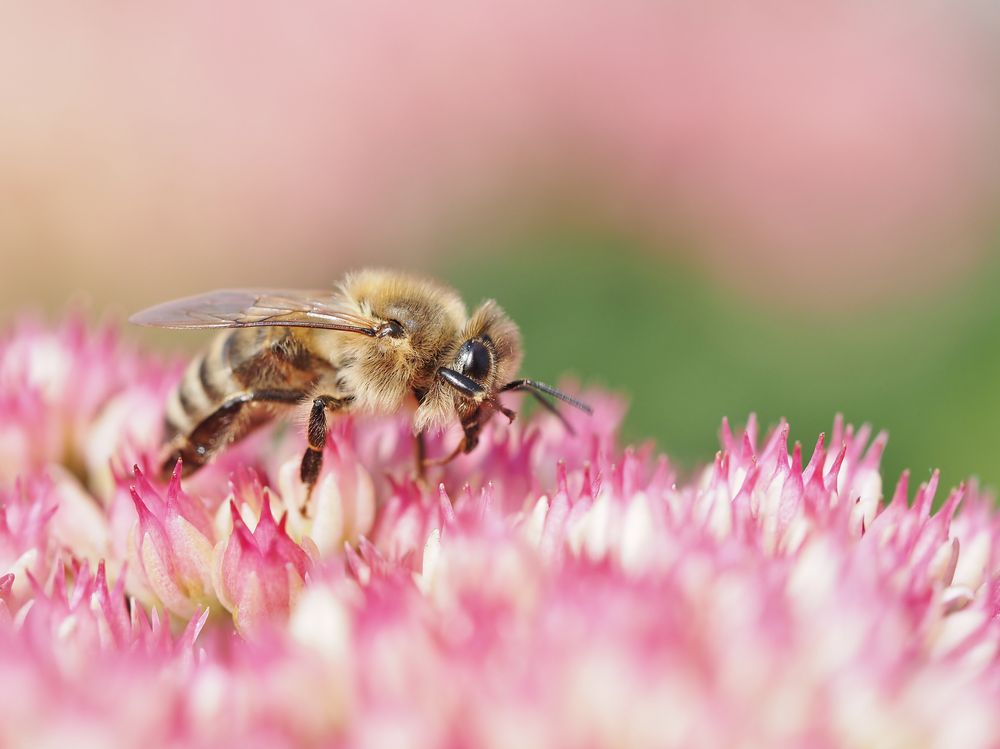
<point>538,388</point>
<point>547,405</point>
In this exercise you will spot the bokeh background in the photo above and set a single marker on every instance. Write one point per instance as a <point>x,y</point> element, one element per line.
<point>789,208</point>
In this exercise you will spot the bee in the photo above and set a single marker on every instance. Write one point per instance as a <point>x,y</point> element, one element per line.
<point>365,347</point>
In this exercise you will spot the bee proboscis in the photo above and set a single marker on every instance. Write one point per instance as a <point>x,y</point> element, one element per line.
<point>364,347</point>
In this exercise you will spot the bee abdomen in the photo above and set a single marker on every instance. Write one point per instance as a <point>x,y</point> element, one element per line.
<point>207,382</point>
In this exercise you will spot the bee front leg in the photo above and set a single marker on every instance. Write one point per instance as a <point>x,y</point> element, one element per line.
<point>312,460</point>
<point>467,444</point>
<point>459,449</point>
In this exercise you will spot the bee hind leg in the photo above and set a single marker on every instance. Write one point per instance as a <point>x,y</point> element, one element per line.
<point>225,425</point>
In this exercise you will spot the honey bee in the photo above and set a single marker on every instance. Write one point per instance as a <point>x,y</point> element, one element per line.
<point>365,347</point>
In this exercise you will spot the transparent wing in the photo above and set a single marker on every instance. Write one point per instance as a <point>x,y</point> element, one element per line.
<point>247,308</point>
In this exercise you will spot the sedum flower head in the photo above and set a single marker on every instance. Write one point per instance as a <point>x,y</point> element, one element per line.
<point>546,590</point>
<point>171,547</point>
<point>260,572</point>
<point>76,397</point>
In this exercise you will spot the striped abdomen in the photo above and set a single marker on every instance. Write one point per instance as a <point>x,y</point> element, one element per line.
<point>234,386</point>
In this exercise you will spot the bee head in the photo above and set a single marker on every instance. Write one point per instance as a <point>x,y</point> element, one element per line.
<point>486,355</point>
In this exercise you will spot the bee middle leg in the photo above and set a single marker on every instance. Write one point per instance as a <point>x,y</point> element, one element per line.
<point>312,460</point>
<point>420,454</point>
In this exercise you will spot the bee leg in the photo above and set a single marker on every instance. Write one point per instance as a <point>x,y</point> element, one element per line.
<point>312,460</point>
<point>466,445</point>
<point>220,428</point>
<point>459,449</point>
<point>420,454</point>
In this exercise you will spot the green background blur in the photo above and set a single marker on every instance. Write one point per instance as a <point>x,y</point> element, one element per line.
<point>686,352</point>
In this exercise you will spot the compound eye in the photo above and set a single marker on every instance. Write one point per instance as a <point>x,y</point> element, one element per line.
<point>474,360</point>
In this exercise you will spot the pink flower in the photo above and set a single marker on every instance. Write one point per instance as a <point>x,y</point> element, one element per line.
<point>85,616</point>
<point>259,572</point>
<point>171,548</point>
<point>342,506</point>
<point>75,397</point>
<point>42,516</point>
<point>6,604</point>
<point>25,543</point>
<point>545,591</point>
<point>83,666</point>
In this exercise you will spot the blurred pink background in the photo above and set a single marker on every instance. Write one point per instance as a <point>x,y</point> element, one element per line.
<point>803,150</point>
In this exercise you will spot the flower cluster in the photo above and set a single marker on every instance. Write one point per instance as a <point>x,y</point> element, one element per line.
<point>548,590</point>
